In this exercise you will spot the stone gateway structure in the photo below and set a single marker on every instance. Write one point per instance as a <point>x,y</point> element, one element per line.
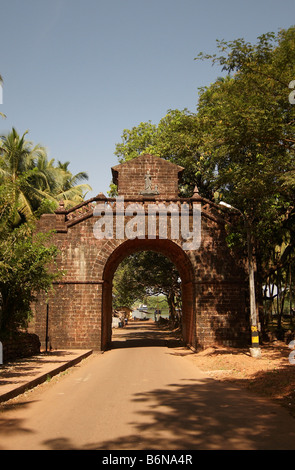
<point>94,237</point>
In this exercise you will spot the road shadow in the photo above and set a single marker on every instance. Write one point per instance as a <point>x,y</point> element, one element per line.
<point>194,414</point>
<point>20,369</point>
<point>198,415</point>
<point>144,334</point>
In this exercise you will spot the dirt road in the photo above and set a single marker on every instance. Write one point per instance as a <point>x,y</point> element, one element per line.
<point>142,394</point>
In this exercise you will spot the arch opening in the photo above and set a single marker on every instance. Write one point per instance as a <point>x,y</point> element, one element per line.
<point>183,265</point>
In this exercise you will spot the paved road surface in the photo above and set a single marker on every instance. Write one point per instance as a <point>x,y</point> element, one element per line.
<point>143,394</point>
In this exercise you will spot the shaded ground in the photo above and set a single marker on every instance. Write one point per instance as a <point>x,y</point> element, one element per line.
<point>148,392</point>
<point>271,376</point>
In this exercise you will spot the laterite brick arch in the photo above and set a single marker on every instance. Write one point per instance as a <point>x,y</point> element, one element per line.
<point>77,314</point>
<point>183,264</point>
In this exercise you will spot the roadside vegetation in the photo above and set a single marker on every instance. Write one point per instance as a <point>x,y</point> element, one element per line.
<point>238,147</point>
<point>30,185</point>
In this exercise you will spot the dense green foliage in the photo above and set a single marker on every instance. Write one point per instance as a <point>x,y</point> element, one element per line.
<point>238,147</point>
<point>26,265</point>
<point>30,185</point>
<point>38,182</point>
<point>175,138</point>
<point>145,274</point>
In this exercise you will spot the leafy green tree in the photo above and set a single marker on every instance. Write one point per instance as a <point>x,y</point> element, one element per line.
<point>17,157</point>
<point>26,265</point>
<point>176,138</point>
<point>248,135</point>
<point>126,290</point>
<point>71,188</point>
<point>136,141</point>
<point>35,178</point>
<point>239,145</point>
<point>24,273</point>
<point>57,182</point>
<point>145,274</point>
<point>248,129</point>
<point>29,186</point>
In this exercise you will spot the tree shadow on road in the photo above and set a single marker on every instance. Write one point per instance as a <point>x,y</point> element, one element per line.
<point>143,335</point>
<point>198,415</point>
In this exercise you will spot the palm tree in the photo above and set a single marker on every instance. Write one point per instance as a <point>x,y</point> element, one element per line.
<point>35,178</point>
<point>71,191</point>
<point>17,166</point>
<point>59,183</point>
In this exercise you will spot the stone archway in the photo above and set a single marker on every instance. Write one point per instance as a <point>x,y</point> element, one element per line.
<point>172,251</point>
<point>214,278</point>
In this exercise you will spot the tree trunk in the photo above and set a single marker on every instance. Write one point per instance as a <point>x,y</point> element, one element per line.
<point>171,304</point>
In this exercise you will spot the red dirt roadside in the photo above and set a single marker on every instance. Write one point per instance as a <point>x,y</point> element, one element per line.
<point>271,376</point>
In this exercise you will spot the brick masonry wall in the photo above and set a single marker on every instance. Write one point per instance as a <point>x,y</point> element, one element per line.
<point>20,346</point>
<point>221,288</point>
<point>130,176</point>
<point>73,319</point>
<point>213,278</point>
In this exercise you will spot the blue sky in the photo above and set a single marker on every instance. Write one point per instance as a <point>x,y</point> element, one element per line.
<point>78,72</point>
